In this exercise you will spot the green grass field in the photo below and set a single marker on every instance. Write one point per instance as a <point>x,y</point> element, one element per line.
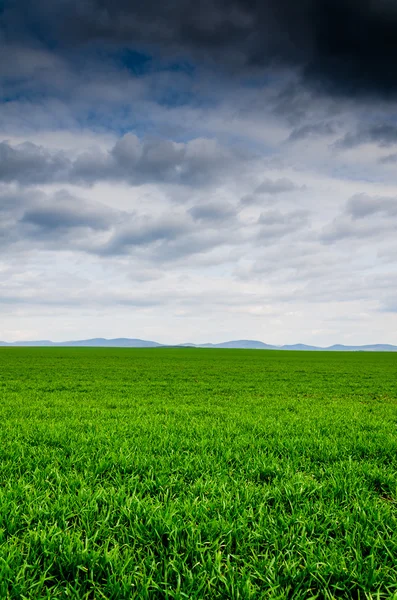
<point>187,473</point>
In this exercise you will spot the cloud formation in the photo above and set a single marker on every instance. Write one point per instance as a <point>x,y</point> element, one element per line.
<point>63,222</point>
<point>193,163</point>
<point>339,46</point>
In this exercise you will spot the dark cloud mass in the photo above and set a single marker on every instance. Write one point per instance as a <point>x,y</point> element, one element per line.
<point>340,46</point>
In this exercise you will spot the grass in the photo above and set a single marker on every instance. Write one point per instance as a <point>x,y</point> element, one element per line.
<point>188,473</point>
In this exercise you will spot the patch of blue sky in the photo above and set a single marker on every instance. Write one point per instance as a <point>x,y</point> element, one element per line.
<point>136,62</point>
<point>118,121</point>
<point>177,90</point>
<point>136,120</point>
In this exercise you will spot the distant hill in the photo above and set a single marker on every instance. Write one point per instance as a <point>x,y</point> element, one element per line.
<point>114,343</point>
<point>242,344</point>
<point>367,348</point>
<point>94,342</point>
<point>238,344</point>
<point>299,347</point>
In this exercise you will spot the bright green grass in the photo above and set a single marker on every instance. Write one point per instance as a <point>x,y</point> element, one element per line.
<point>173,473</point>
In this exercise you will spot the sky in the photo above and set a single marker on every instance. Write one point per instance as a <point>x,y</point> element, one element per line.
<point>199,171</point>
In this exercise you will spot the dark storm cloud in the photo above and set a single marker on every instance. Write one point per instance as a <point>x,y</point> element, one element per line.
<point>340,46</point>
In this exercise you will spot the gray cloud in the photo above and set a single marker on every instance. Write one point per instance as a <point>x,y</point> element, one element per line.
<point>147,231</point>
<point>381,134</point>
<point>196,162</point>
<point>213,211</point>
<point>277,186</point>
<point>29,163</point>
<point>388,160</point>
<point>34,220</point>
<point>61,221</point>
<point>275,224</point>
<point>271,187</point>
<point>323,128</point>
<point>363,205</point>
<point>343,228</point>
<point>64,211</point>
<point>363,216</point>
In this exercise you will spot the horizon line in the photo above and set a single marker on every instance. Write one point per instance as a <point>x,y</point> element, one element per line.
<point>230,344</point>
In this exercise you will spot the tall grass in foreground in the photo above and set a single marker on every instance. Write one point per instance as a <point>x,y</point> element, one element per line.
<point>170,473</point>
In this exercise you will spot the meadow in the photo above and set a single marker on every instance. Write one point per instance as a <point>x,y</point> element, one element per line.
<point>193,473</point>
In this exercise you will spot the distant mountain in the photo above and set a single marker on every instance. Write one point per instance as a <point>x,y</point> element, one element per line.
<point>242,344</point>
<point>299,347</point>
<point>29,343</point>
<point>94,342</point>
<point>237,344</point>
<point>114,343</point>
<point>367,348</point>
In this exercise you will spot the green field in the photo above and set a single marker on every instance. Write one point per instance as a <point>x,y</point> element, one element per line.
<point>191,473</point>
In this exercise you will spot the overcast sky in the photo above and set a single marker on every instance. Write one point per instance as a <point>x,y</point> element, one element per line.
<point>199,171</point>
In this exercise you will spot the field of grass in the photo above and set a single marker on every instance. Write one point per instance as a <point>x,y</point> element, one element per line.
<point>191,473</point>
